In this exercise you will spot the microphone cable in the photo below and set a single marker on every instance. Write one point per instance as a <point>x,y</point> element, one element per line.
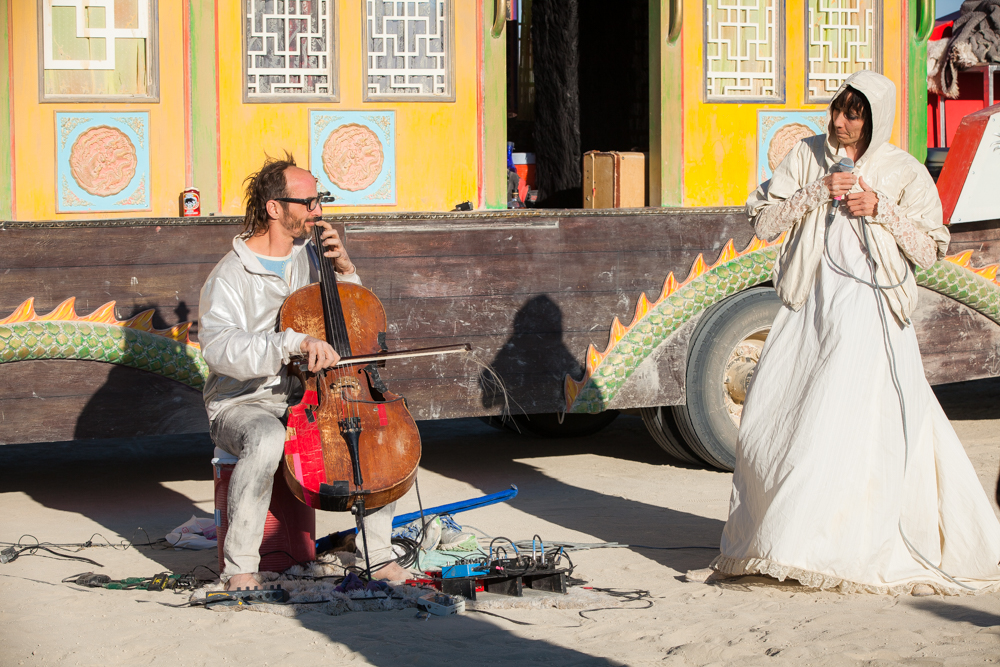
<point>878,288</point>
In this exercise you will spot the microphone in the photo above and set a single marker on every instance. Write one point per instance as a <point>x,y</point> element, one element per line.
<point>845,164</point>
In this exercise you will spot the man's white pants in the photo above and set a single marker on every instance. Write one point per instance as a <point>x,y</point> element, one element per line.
<point>255,434</point>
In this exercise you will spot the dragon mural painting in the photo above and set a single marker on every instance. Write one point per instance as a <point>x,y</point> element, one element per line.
<point>100,336</point>
<point>653,323</point>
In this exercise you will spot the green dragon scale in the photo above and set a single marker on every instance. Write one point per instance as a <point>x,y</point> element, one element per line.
<point>62,335</point>
<point>607,372</point>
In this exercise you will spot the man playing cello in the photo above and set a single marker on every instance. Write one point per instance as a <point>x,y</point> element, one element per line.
<point>247,392</point>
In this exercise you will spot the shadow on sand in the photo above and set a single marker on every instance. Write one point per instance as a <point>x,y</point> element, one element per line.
<point>121,484</point>
<point>491,463</point>
<point>954,611</point>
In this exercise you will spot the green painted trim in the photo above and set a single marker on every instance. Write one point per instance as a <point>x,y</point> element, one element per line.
<point>86,341</point>
<point>494,110</point>
<point>6,135</point>
<point>666,110</point>
<point>672,186</point>
<point>916,103</point>
<point>204,106</point>
<point>655,153</point>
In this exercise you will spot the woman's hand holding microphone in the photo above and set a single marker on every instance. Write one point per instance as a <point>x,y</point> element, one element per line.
<point>859,204</point>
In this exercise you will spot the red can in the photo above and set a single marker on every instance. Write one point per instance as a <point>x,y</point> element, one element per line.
<point>190,203</point>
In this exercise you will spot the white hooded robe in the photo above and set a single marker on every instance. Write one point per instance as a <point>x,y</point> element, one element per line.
<point>824,488</point>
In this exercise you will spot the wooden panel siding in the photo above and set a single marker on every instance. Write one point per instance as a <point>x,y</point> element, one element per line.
<point>529,291</point>
<point>51,401</point>
<point>956,342</point>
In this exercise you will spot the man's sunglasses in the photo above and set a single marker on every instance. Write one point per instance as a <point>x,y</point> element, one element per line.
<point>312,202</point>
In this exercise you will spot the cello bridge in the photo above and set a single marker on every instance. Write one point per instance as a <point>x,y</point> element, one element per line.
<point>346,383</point>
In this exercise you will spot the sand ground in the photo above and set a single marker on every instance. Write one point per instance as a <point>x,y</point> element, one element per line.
<point>615,486</point>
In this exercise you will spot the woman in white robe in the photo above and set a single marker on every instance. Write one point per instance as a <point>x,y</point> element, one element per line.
<point>828,489</point>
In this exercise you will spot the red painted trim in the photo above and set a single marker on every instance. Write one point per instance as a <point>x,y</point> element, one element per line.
<point>942,31</point>
<point>963,150</point>
<point>480,108</point>
<point>188,148</point>
<point>10,108</point>
<point>218,119</point>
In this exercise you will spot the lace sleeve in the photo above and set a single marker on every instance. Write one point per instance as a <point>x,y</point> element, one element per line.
<point>915,244</point>
<point>778,217</point>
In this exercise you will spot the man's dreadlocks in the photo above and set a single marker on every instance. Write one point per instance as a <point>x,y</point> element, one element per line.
<point>261,187</point>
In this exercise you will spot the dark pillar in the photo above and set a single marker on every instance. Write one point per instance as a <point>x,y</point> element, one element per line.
<point>554,40</point>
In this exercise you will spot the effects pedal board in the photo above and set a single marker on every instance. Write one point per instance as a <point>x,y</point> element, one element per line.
<point>504,576</point>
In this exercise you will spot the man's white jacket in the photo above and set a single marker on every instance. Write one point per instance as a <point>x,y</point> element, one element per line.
<point>238,326</point>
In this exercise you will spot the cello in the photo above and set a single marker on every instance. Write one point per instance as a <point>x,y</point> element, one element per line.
<point>351,444</point>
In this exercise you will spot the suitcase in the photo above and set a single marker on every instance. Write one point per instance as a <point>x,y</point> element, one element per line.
<point>614,179</point>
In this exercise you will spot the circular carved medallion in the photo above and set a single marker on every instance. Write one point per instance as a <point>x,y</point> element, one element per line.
<point>784,140</point>
<point>103,161</point>
<point>352,157</point>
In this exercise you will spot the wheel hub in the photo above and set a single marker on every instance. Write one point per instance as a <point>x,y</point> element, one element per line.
<point>739,372</point>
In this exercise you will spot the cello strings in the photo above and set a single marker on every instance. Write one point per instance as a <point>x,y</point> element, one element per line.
<point>336,324</point>
<point>333,336</point>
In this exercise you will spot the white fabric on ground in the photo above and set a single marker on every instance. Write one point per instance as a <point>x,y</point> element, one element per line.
<point>820,482</point>
<point>195,533</point>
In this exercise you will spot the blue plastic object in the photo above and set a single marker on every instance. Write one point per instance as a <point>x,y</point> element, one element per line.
<point>464,570</point>
<point>324,543</point>
<point>455,508</point>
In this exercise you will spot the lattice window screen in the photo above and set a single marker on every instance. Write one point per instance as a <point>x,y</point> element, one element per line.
<point>409,50</point>
<point>290,50</point>
<point>844,37</point>
<point>98,50</point>
<point>743,50</point>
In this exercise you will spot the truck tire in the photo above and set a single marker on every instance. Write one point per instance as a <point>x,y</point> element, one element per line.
<point>553,424</point>
<point>662,426</point>
<point>724,352</point>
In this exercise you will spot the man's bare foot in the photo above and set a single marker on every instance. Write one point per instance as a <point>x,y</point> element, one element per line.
<point>391,572</point>
<point>243,580</point>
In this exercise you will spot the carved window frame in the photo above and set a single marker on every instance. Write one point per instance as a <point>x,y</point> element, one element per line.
<point>878,28</point>
<point>152,64</point>
<point>447,96</point>
<point>779,59</point>
<point>332,61</point>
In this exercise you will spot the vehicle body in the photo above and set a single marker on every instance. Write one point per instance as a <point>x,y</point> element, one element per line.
<point>576,311</point>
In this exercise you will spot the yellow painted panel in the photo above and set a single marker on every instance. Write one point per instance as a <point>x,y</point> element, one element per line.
<point>436,142</point>
<point>894,63</point>
<point>720,139</point>
<point>35,127</point>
